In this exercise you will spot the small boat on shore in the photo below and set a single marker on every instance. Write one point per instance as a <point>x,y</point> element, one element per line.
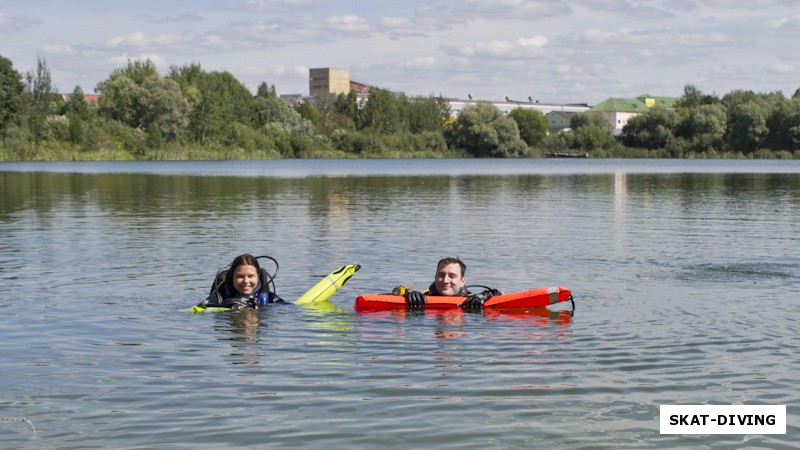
<point>566,155</point>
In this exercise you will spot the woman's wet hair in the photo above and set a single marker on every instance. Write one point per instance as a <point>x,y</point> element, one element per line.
<point>243,260</point>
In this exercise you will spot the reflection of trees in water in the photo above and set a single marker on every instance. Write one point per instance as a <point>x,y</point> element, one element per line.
<point>241,329</point>
<point>331,196</point>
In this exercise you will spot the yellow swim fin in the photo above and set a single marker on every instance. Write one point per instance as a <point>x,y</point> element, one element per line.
<point>329,285</point>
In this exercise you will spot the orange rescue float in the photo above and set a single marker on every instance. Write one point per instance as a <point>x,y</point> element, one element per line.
<point>525,299</point>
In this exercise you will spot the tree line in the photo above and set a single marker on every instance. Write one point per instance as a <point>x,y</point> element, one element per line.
<point>191,113</point>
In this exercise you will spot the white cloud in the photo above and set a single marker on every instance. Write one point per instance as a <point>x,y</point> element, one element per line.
<point>267,5</point>
<point>664,37</point>
<point>535,41</point>
<point>300,71</point>
<point>791,23</point>
<point>420,62</point>
<point>14,23</point>
<point>348,24</point>
<point>65,50</point>
<point>782,68</point>
<point>266,70</point>
<point>452,13</point>
<point>495,48</point>
<point>122,60</point>
<point>396,22</point>
<point>136,39</point>
<point>520,48</point>
<point>5,22</point>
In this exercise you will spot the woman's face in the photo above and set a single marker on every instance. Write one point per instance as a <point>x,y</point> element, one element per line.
<point>245,279</point>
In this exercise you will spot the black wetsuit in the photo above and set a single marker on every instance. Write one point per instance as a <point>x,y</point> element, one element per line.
<point>463,292</point>
<point>224,295</point>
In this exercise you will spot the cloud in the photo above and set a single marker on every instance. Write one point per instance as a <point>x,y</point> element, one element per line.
<point>746,4</point>
<point>395,22</point>
<point>419,62</point>
<point>453,13</point>
<point>265,69</point>
<point>535,41</point>
<point>658,40</point>
<point>521,48</point>
<point>59,50</point>
<point>782,68</point>
<point>639,9</point>
<point>493,48</point>
<point>15,23</point>
<point>180,18</point>
<point>268,5</point>
<point>300,71</point>
<point>789,24</point>
<point>348,24</point>
<point>132,40</point>
<point>280,33</point>
<point>139,40</point>
<point>511,9</point>
<point>158,60</point>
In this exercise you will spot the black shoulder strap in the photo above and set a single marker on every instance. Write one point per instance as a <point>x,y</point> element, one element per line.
<point>219,283</point>
<point>264,279</point>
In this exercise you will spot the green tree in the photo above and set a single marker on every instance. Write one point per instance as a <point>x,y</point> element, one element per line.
<point>121,94</point>
<point>384,111</point>
<point>747,127</point>
<point>651,130</point>
<point>345,104</point>
<point>693,97</point>
<point>76,104</point>
<point>427,114</point>
<point>483,131</point>
<point>217,100</point>
<point>783,124</point>
<point>272,110</point>
<point>12,90</point>
<point>79,115</point>
<point>166,111</point>
<point>137,96</point>
<point>532,124</point>
<point>331,117</point>
<point>738,97</point>
<point>589,119</point>
<point>590,131</point>
<point>265,90</point>
<point>704,127</point>
<point>308,111</point>
<point>41,93</point>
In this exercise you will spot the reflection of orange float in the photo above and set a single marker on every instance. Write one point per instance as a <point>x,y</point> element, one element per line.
<point>537,315</point>
<point>517,300</point>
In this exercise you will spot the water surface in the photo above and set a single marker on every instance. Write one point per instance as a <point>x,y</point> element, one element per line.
<point>686,277</point>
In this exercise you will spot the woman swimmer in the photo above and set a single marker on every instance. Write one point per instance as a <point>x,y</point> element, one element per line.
<point>243,285</point>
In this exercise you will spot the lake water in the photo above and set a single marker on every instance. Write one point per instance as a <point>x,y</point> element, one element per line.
<point>686,278</point>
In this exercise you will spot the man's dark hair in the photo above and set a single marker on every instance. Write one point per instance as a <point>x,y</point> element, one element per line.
<point>452,260</point>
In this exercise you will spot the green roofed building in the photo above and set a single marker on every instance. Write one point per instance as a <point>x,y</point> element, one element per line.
<point>656,101</point>
<point>619,110</point>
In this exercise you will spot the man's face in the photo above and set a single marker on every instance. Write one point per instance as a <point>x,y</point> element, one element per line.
<point>449,279</point>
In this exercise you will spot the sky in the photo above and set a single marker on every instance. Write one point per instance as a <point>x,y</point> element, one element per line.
<point>577,51</point>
